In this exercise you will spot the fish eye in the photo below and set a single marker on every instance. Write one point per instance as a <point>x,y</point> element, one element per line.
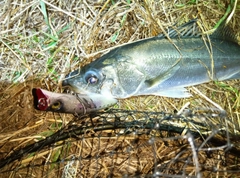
<point>92,77</point>
<point>56,106</point>
<point>92,80</point>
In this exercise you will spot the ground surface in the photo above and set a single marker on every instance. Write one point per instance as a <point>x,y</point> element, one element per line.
<point>41,41</point>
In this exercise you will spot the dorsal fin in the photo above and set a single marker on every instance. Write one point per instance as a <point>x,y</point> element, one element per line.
<point>224,32</point>
<point>189,29</point>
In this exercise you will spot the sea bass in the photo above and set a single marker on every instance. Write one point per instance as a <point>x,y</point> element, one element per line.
<point>66,103</point>
<point>159,66</point>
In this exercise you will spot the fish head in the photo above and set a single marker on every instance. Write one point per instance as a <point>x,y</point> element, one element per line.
<point>91,80</point>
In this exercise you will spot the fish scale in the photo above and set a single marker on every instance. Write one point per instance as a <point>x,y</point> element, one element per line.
<point>158,66</point>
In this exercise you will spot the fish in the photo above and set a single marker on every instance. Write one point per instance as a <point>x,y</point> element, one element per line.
<point>67,103</point>
<point>163,65</point>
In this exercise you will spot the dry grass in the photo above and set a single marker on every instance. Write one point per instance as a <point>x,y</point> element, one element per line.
<point>41,41</point>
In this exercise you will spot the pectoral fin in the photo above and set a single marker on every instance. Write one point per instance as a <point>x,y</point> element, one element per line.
<point>162,77</point>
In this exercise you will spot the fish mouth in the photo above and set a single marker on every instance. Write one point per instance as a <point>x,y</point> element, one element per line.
<point>74,90</point>
<point>65,83</point>
<point>40,99</point>
<point>68,77</point>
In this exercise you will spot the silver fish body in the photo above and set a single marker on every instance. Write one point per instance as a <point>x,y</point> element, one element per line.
<point>156,66</point>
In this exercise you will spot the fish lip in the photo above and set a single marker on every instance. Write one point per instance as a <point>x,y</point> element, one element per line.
<point>40,100</point>
<point>90,94</point>
<point>65,82</point>
<point>74,90</point>
<point>69,76</point>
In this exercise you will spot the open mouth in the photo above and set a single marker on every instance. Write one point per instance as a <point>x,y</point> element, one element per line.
<point>73,91</point>
<point>68,90</point>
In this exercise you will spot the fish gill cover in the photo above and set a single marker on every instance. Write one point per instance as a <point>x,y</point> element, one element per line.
<point>142,136</point>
